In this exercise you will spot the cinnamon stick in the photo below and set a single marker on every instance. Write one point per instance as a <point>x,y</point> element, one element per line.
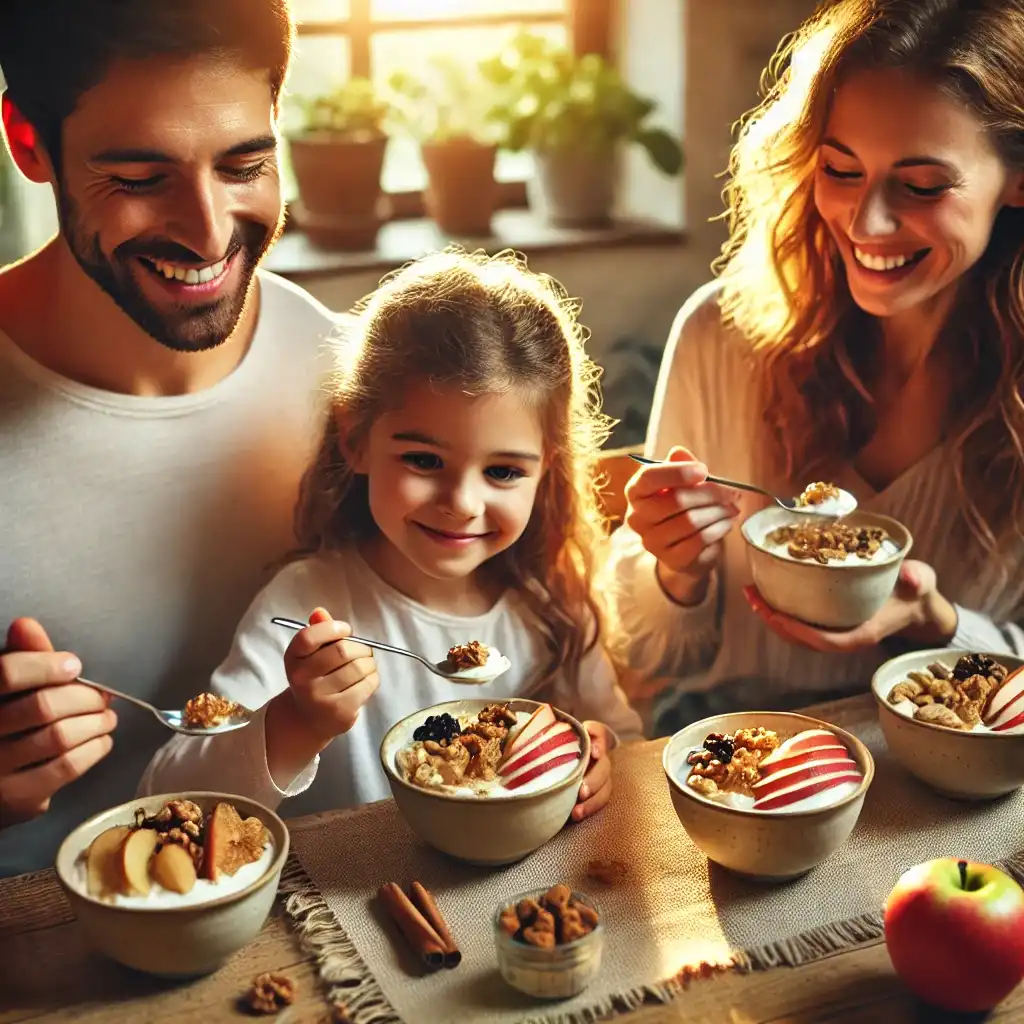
<point>419,933</point>
<point>427,906</point>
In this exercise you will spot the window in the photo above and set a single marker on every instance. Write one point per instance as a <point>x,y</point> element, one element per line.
<point>374,38</point>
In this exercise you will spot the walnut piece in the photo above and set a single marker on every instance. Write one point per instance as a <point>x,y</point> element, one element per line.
<point>816,493</point>
<point>939,714</point>
<point>270,993</point>
<point>607,872</point>
<point>208,710</point>
<point>468,655</point>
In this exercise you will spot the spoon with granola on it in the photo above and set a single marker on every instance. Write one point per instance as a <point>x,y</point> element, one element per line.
<point>205,715</point>
<point>472,664</point>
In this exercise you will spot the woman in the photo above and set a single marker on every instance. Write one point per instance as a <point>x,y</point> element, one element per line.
<point>867,328</point>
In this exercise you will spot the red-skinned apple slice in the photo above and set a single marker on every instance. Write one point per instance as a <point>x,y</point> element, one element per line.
<point>540,719</point>
<point>801,773</point>
<point>535,770</point>
<point>802,741</point>
<point>559,735</point>
<point>1008,701</point>
<point>801,792</point>
<point>831,750</point>
<point>1012,723</point>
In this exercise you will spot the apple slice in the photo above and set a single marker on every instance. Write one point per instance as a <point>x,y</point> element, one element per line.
<point>560,734</point>
<point>802,741</point>
<point>103,862</point>
<point>803,791</point>
<point>1008,700</point>
<point>174,869</point>
<point>1010,723</point>
<point>804,757</point>
<point>800,773</point>
<point>540,719</point>
<point>534,770</point>
<point>136,852</point>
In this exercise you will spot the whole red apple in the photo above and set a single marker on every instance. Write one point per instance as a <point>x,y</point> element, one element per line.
<point>955,934</point>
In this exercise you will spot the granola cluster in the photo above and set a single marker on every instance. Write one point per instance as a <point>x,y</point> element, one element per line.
<point>178,822</point>
<point>468,655</point>
<point>831,543</point>
<point>730,763</point>
<point>816,493</point>
<point>955,697</point>
<point>554,919</point>
<point>208,711</point>
<point>469,756</point>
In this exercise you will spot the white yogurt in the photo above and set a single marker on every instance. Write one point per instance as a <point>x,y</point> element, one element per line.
<point>832,507</point>
<point>495,665</point>
<point>204,891</point>
<point>887,550</point>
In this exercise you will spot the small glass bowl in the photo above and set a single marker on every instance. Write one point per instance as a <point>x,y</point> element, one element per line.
<point>558,973</point>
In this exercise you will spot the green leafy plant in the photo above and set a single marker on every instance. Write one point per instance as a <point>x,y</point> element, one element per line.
<point>354,111</point>
<point>450,100</point>
<point>553,100</point>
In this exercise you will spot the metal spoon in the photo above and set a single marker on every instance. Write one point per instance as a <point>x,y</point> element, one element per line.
<point>175,720</point>
<point>789,504</point>
<point>439,668</point>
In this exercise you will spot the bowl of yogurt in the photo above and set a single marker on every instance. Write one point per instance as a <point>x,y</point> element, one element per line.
<point>173,885</point>
<point>955,719</point>
<point>833,574</point>
<point>486,782</point>
<point>766,794</point>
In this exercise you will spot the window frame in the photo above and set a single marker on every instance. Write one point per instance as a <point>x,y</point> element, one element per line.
<point>590,28</point>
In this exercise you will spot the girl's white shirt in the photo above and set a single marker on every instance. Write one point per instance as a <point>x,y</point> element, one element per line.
<point>348,772</point>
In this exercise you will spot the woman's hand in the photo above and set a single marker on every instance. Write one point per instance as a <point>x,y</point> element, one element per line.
<point>916,611</point>
<point>596,789</point>
<point>681,520</point>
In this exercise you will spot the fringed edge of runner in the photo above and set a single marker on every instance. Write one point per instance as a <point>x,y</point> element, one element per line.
<point>346,979</point>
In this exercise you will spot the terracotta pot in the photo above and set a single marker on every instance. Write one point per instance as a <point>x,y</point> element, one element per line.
<point>339,189</point>
<point>572,188</point>
<point>461,190</point>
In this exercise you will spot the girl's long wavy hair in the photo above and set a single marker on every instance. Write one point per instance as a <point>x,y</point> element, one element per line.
<point>481,325</point>
<point>784,286</point>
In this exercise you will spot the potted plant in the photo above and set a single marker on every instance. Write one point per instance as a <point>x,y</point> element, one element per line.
<point>575,114</point>
<point>450,111</point>
<point>337,157</point>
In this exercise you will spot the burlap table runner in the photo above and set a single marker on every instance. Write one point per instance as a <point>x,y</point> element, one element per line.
<point>678,912</point>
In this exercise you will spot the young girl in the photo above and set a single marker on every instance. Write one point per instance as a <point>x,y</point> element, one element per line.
<point>453,499</point>
<point>868,328</point>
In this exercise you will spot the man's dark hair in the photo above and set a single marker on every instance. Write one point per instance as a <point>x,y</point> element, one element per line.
<point>54,51</point>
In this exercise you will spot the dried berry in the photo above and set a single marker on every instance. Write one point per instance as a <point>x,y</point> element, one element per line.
<point>973,665</point>
<point>439,728</point>
<point>722,747</point>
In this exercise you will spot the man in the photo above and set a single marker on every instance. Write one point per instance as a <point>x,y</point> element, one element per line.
<point>157,391</point>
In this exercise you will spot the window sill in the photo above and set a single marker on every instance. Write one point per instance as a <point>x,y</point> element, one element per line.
<point>295,256</point>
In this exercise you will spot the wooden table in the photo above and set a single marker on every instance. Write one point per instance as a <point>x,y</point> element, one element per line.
<point>48,973</point>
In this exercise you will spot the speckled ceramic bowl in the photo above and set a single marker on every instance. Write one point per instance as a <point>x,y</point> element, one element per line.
<point>958,764</point>
<point>767,845</point>
<point>839,595</point>
<point>172,942</point>
<point>476,829</point>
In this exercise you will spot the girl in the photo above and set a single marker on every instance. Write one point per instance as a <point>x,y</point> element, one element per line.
<point>453,499</point>
<point>867,328</point>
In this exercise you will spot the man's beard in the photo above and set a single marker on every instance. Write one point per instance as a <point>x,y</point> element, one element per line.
<point>186,328</point>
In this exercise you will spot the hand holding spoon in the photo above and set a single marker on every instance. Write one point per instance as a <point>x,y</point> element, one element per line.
<point>829,508</point>
<point>477,675</point>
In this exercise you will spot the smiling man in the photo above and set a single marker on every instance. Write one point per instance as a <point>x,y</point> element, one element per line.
<point>157,389</point>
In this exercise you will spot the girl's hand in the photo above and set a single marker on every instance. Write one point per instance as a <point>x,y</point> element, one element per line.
<point>596,789</point>
<point>681,520</point>
<point>331,678</point>
<point>916,611</point>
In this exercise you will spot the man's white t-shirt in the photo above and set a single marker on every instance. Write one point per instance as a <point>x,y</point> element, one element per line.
<point>349,770</point>
<point>138,529</point>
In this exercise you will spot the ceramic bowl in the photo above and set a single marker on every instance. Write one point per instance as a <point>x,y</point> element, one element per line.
<point>172,942</point>
<point>476,829</point>
<point>958,764</point>
<point>768,845</point>
<point>839,595</point>
<point>557,973</point>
